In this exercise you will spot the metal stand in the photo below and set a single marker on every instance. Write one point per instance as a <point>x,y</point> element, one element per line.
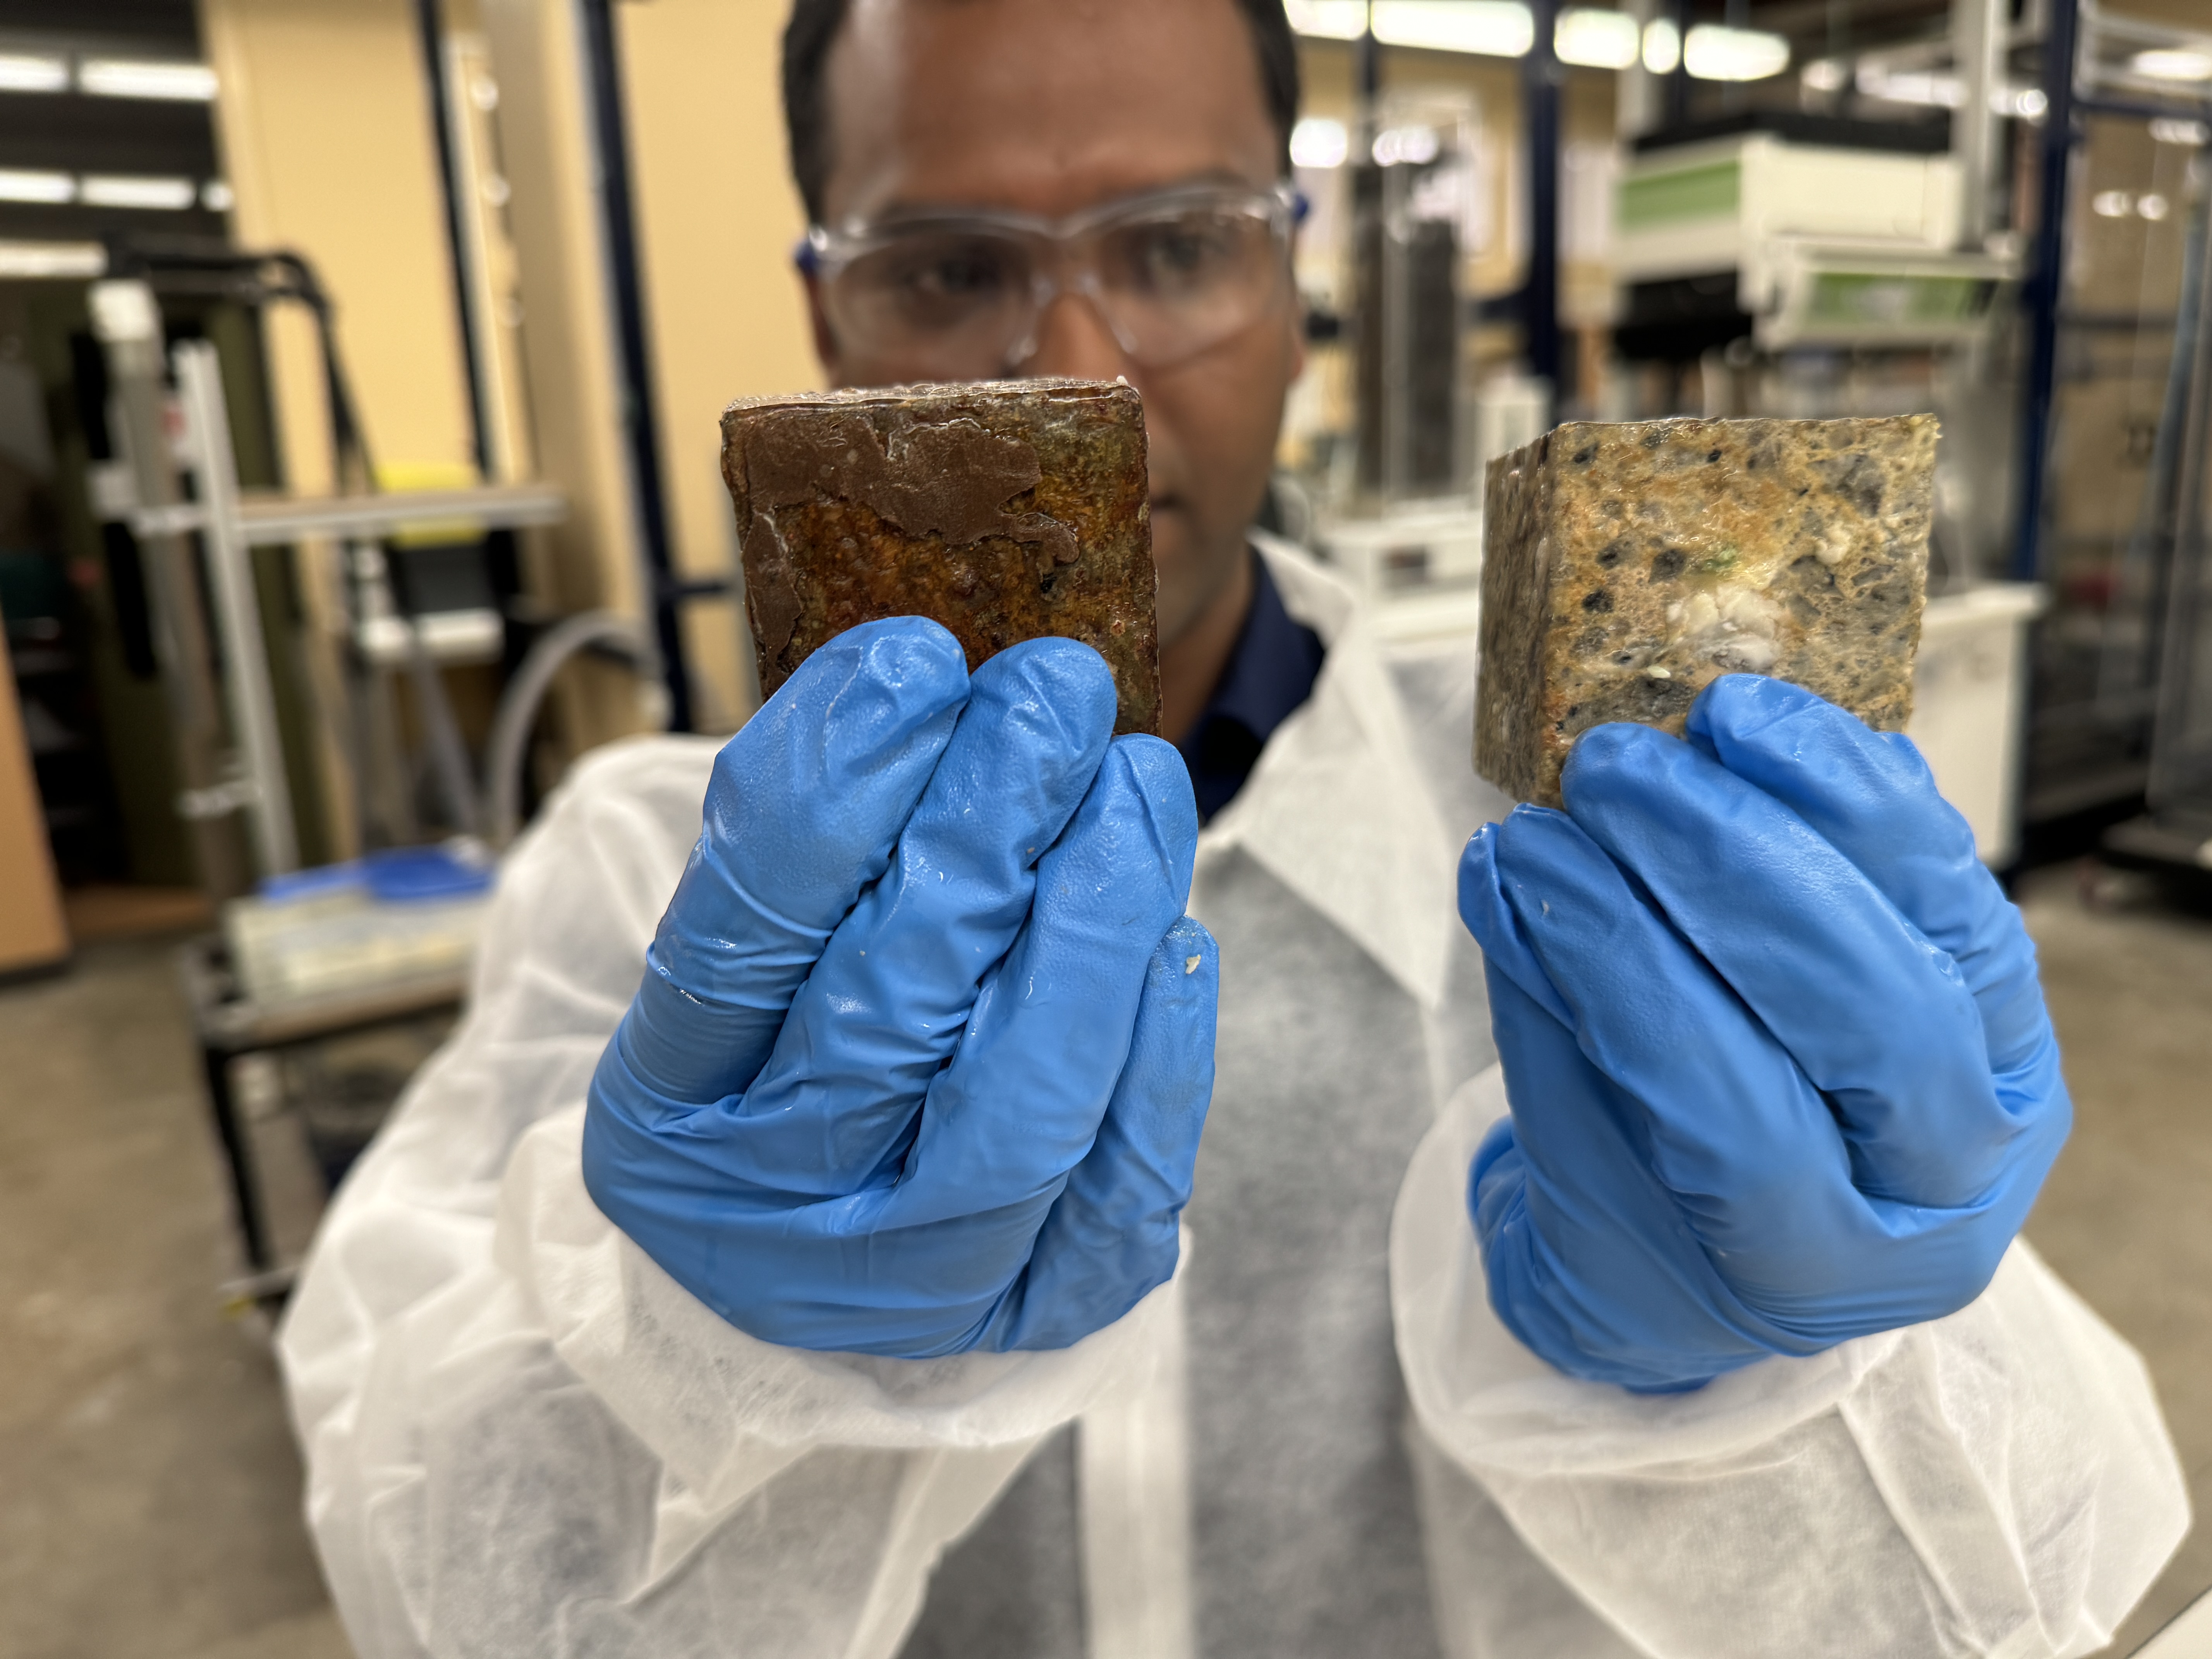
<point>2178,829</point>
<point>430,29</point>
<point>1540,75</point>
<point>2103,713</point>
<point>128,324</point>
<point>634,359</point>
<point>2046,281</point>
<point>230,1025</point>
<point>230,527</point>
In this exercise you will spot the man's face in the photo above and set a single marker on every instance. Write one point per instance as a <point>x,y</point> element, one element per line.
<point>1049,107</point>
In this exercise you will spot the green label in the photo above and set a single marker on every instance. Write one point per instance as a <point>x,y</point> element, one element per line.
<point>1858,297</point>
<point>1710,191</point>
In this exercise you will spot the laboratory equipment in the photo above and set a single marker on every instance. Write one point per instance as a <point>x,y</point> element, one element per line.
<point>1414,187</point>
<point>230,738</point>
<point>1796,243</point>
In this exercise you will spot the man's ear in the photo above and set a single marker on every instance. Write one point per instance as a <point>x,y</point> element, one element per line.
<point>825,340</point>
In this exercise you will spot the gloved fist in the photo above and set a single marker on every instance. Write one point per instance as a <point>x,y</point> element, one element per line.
<point>923,1046</point>
<point>1779,1061</point>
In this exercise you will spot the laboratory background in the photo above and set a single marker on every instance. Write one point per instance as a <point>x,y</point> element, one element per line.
<point>361,364</point>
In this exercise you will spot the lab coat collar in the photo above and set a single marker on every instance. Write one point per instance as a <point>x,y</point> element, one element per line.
<point>1336,808</point>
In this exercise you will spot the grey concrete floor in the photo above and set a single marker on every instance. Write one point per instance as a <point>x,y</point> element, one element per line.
<point>2124,1216</point>
<point>149,1491</point>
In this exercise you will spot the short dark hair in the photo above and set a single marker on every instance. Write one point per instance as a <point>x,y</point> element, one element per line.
<point>813,29</point>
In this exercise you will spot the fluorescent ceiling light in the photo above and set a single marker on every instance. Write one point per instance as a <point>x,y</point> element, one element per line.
<point>2173,63</point>
<point>1318,141</point>
<point>1596,40</point>
<point>25,72</point>
<point>1329,20</point>
<point>2168,130</point>
<point>52,259</point>
<point>1715,53</point>
<point>1585,35</point>
<point>1824,75</point>
<point>17,184</point>
<point>177,81</point>
<point>1494,28</point>
<point>122,190</point>
<point>217,197</point>
<point>1418,145</point>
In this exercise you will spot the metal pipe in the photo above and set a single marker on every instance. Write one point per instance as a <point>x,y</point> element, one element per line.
<point>238,603</point>
<point>1635,93</point>
<point>1540,75</point>
<point>127,322</point>
<point>1685,14</point>
<point>429,27</point>
<point>1369,65</point>
<point>2045,284</point>
<point>633,355</point>
<point>1978,43</point>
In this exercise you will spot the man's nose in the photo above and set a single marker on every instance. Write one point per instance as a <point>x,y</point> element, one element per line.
<point>1073,340</point>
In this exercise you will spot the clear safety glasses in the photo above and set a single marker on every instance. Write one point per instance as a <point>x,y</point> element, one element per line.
<point>960,296</point>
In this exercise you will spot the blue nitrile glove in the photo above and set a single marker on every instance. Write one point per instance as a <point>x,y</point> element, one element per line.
<point>924,1043</point>
<point>1777,1058</point>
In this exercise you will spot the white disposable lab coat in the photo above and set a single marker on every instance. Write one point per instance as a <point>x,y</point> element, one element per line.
<point>524,1438</point>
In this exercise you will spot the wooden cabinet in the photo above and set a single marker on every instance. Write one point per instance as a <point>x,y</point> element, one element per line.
<point>32,933</point>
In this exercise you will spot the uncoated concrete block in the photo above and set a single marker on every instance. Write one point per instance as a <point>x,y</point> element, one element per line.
<point>1626,566</point>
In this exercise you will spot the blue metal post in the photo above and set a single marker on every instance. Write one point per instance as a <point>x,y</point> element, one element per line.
<point>2046,284</point>
<point>633,352</point>
<point>1540,75</point>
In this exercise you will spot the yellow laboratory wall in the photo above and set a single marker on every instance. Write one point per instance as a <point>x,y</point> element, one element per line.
<point>326,135</point>
<point>717,223</point>
<point>327,142</point>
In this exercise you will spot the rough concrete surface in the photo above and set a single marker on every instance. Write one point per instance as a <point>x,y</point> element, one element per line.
<point>1005,511</point>
<point>1627,566</point>
<point>149,1486</point>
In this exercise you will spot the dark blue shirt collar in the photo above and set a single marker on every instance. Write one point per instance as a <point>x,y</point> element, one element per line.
<point>1270,674</point>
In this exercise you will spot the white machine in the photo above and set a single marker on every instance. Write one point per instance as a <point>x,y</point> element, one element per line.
<point>1831,246</point>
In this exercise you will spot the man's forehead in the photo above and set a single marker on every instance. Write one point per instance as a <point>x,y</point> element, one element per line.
<point>1046,106</point>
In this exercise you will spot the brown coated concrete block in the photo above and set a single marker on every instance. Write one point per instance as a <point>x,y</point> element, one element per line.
<point>1626,566</point>
<point>1005,510</point>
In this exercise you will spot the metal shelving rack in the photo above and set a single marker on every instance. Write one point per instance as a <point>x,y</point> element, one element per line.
<point>246,776</point>
<point>232,526</point>
<point>2105,707</point>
